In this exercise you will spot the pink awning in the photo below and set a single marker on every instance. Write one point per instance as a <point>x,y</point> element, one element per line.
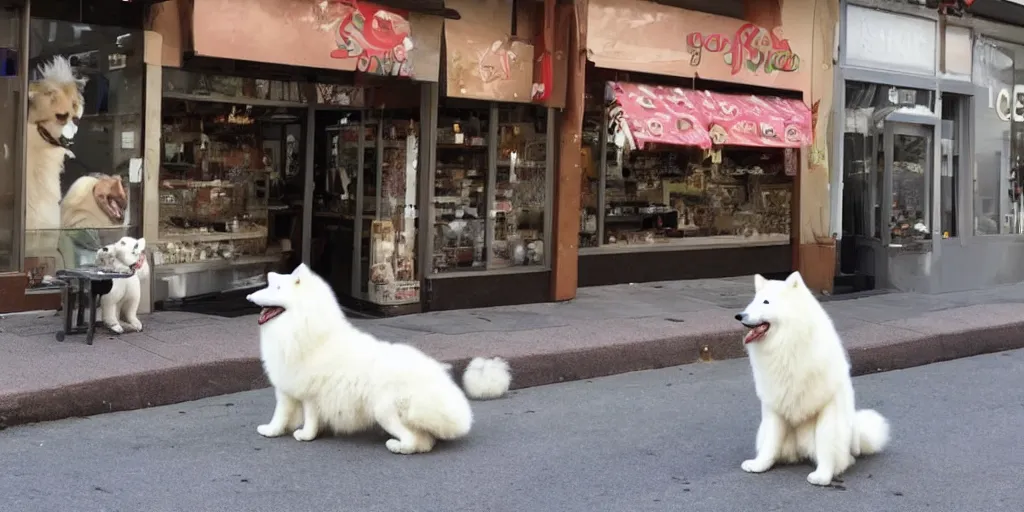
<point>657,114</point>
<point>671,115</point>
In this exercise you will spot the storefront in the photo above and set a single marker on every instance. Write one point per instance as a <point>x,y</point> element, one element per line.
<point>695,141</point>
<point>929,198</point>
<point>492,173</point>
<point>71,178</point>
<point>274,153</point>
<point>405,193</point>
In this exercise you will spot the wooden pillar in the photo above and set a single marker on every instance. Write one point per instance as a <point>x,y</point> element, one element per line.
<point>153,47</point>
<point>816,259</point>
<point>565,239</point>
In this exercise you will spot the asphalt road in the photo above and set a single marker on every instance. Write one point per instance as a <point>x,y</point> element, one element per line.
<point>665,440</point>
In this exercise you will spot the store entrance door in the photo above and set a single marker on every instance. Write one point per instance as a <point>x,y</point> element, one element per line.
<point>904,206</point>
<point>364,207</point>
<point>344,163</point>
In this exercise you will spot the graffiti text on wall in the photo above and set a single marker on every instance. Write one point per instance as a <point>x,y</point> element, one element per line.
<point>752,47</point>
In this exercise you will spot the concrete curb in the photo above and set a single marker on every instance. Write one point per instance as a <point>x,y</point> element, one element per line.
<point>186,383</point>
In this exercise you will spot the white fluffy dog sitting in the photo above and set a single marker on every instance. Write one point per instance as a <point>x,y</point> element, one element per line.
<point>329,375</point>
<point>802,376</point>
<point>125,255</point>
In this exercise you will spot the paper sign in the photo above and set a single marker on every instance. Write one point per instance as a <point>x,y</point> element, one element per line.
<point>135,170</point>
<point>127,140</point>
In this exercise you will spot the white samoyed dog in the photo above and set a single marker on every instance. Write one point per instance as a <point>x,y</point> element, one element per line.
<point>802,376</point>
<point>329,375</point>
<point>126,255</point>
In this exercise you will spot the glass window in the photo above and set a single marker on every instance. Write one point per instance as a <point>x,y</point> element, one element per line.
<point>221,163</point>
<point>490,187</point>
<point>952,112</point>
<point>679,196</point>
<point>10,105</point>
<point>997,149</point>
<point>520,187</point>
<point>460,188</point>
<point>90,123</point>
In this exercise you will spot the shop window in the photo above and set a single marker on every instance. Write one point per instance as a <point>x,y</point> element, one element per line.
<point>519,203</point>
<point>653,194</point>
<point>665,196</point>
<point>10,106</point>
<point>460,189</point>
<point>223,165</point>
<point>999,137</point>
<point>491,187</point>
<point>98,197</point>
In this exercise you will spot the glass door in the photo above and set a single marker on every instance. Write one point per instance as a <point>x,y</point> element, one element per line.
<point>911,205</point>
<point>907,187</point>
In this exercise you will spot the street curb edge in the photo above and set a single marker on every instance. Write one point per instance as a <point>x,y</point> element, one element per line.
<point>187,383</point>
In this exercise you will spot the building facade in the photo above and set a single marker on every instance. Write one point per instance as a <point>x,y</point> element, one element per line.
<point>441,155</point>
<point>705,140</point>
<point>928,193</point>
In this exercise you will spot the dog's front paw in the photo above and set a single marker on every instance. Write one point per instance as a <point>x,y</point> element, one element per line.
<point>820,478</point>
<point>396,446</point>
<point>269,431</point>
<point>756,466</point>
<point>136,326</point>
<point>303,434</point>
<point>116,328</point>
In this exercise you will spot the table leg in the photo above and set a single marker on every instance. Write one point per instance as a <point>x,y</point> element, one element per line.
<point>68,295</point>
<point>80,302</point>
<point>91,299</point>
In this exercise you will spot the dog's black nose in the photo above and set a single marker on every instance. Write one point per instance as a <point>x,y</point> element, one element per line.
<point>739,317</point>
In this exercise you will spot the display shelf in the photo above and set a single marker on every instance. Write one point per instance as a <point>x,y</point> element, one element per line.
<point>212,237</point>
<point>215,264</point>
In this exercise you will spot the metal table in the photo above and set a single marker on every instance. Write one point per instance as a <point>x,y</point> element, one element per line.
<point>78,293</point>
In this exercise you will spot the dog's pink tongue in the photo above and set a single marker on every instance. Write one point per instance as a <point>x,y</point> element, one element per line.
<point>755,334</point>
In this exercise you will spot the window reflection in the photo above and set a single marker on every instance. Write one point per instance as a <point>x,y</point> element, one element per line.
<point>93,129</point>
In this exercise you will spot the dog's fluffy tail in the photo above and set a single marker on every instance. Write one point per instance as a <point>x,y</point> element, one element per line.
<point>486,379</point>
<point>872,431</point>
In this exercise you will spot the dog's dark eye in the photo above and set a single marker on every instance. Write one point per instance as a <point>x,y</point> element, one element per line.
<point>62,118</point>
<point>766,302</point>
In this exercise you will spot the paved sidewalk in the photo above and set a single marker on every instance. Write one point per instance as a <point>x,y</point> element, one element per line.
<point>606,330</point>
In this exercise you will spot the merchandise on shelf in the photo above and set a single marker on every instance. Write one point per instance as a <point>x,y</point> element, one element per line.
<point>679,195</point>
<point>218,166</point>
<point>460,193</point>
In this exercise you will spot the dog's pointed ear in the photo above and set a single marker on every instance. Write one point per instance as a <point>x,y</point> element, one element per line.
<point>795,280</point>
<point>142,244</point>
<point>759,282</point>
